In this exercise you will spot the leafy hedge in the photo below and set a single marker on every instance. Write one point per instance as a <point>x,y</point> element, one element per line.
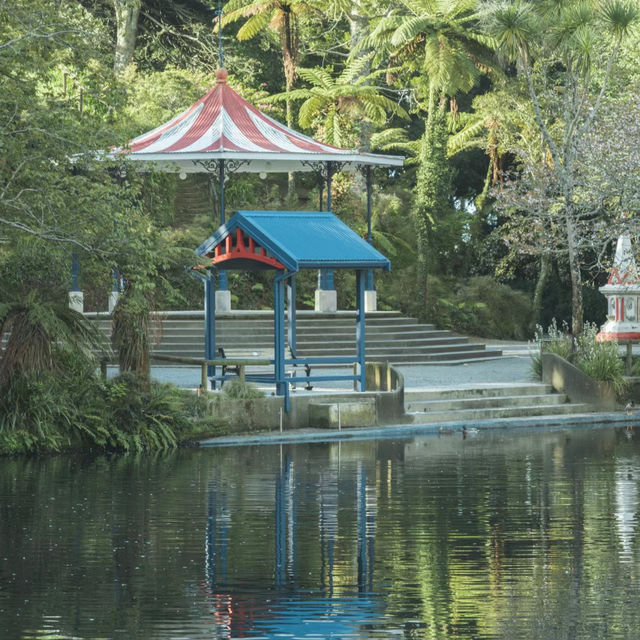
<point>48,414</point>
<point>479,306</point>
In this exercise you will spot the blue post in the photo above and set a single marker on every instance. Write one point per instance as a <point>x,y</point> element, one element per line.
<point>115,282</point>
<point>210,322</point>
<point>115,276</point>
<point>360,328</point>
<point>222,277</point>
<point>281,530</point>
<point>327,274</point>
<point>291,315</point>
<point>278,338</point>
<point>292,520</point>
<point>75,272</point>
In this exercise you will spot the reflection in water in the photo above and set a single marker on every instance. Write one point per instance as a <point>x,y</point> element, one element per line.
<point>627,475</point>
<point>505,535</point>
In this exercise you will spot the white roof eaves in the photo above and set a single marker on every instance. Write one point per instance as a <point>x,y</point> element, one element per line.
<point>259,161</point>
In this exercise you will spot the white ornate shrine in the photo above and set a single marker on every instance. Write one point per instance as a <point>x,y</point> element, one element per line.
<point>623,296</point>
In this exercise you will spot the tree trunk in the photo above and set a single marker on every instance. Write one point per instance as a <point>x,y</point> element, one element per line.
<point>131,336</point>
<point>576,280</point>
<point>289,43</point>
<point>432,192</point>
<point>543,276</point>
<point>359,28</point>
<point>422,275</point>
<point>127,13</point>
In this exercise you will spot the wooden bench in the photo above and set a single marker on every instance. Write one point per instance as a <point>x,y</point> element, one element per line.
<point>234,365</point>
<point>236,361</point>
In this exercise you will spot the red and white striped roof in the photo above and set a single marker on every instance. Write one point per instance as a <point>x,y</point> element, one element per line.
<point>222,125</point>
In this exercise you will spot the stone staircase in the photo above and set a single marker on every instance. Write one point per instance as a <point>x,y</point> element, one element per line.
<point>390,337</point>
<point>488,402</point>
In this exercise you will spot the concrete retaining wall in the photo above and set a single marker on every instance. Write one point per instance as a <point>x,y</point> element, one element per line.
<point>385,388</point>
<point>578,387</point>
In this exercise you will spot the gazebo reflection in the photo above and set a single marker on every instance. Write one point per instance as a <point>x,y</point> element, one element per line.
<point>342,497</point>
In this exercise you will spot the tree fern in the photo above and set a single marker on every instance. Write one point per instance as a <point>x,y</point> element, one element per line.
<point>333,103</point>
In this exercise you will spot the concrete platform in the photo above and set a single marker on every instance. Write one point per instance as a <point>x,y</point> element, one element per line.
<point>447,429</point>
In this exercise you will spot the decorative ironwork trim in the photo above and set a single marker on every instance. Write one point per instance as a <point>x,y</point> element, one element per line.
<point>322,167</point>
<point>213,166</point>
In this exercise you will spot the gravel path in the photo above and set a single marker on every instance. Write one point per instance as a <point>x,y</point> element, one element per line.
<point>513,367</point>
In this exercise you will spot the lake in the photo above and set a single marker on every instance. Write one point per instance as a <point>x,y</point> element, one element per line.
<point>505,534</point>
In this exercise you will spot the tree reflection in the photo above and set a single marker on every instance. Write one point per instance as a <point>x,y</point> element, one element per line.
<point>506,535</point>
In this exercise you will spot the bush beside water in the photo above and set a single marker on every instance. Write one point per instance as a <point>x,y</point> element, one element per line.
<point>44,413</point>
<point>599,360</point>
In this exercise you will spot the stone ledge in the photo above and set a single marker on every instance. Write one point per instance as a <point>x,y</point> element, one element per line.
<point>576,385</point>
<point>334,415</point>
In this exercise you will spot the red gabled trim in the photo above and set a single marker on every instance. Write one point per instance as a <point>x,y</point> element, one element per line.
<point>235,248</point>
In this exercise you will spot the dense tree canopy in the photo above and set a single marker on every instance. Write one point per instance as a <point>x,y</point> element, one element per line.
<point>506,110</point>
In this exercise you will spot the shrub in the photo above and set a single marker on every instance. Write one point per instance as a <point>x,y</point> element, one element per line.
<point>599,360</point>
<point>480,307</point>
<point>241,390</point>
<point>44,413</point>
<point>144,418</point>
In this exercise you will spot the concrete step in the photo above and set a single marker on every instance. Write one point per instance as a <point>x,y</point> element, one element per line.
<point>470,415</point>
<point>197,351</point>
<point>486,402</point>
<point>393,345</point>
<point>393,350</point>
<point>461,357</point>
<point>382,348</point>
<point>390,337</point>
<point>477,390</point>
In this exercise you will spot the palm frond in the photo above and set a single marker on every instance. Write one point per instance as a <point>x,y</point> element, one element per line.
<point>317,76</point>
<point>310,109</point>
<point>513,25</point>
<point>356,68</point>
<point>410,29</point>
<point>620,16</point>
<point>470,136</point>
<point>254,25</point>
<point>294,94</point>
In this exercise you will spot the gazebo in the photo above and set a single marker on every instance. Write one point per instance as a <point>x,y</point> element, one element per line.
<point>288,242</point>
<point>222,134</point>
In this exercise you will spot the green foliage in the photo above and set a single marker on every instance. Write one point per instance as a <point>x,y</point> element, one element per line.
<point>599,360</point>
<point>336,107</point>
<point>479,307</point>
<point>46,413</point>
<point>131,334</point>
<point>240,390</point>
<point>558,341</point>
<point>42,331</point>
<point>144,419</point>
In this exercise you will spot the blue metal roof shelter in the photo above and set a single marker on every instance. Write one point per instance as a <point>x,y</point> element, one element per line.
<point>288,242</point>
